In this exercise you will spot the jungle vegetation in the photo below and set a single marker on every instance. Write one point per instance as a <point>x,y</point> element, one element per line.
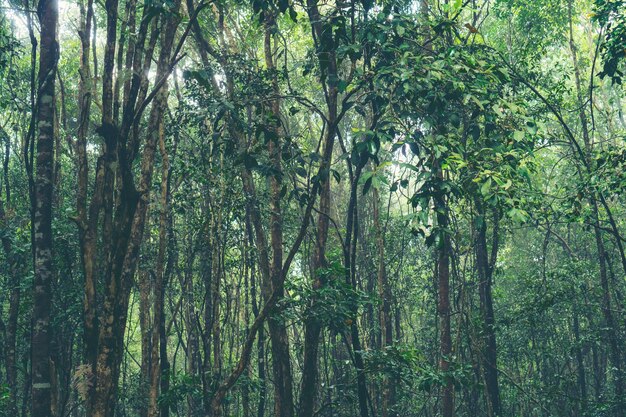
<point>312,208</point>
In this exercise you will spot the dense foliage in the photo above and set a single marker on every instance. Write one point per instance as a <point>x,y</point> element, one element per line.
<point>312,208</point>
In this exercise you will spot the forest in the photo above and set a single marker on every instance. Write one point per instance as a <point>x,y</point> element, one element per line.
<point>312,208</point>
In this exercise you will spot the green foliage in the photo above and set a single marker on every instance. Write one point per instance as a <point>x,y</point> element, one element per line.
<point>536,26</point>
<point>181,386</point>
<point>10,51</point>
<point>335,301</point>
<point>611,16</point>
<point>407,366</point>
<point>5,394</point>
<point>454,117</point>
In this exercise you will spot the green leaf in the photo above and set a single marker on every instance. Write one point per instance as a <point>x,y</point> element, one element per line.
<point>341,86</point>
<point>486,187</point>
<point>367,185</point>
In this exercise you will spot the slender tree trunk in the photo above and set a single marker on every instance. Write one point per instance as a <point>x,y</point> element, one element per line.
<point>246,404</point>
<point>10,346</point>
<point>386,323</point>
<point>580,364</point>
<point>167,250</point>
<point>261,372</point>
<point>255,311</point>
<point>612,329</point>
<point>158,321</point>
<point>283,379</point>
<point>86,235</point>
<point>205,330</point>
<point>485,281</point>
<point>350,241</point>
<point>145,291</point>
<point>313,327</point>
<point>157,134</point>
<point>443,302</point>
<point>610,333</point>
<point>41,387</point>
<point>216,280</point>
<point>193,345</point>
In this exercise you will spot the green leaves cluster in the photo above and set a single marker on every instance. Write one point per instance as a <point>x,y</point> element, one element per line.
<point>611,15</point>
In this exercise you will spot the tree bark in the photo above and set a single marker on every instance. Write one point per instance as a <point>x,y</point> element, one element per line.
<point>313,327</point>
<point>350,242</point>
<point>384,293</point>
<point>41,387</point>
<point>283,378</point>
<point>580,365</point>
<point>123,228</point>
<point>15,272</point>
<point>443,301</point>
<point>484,266</point>
<point>86,234</point>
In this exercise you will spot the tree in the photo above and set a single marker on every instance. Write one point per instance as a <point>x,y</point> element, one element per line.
<point>42,198</point>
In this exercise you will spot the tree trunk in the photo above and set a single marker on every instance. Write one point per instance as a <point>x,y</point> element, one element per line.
<point>86,236</point>
<point>313,327</point>
<point>125,233</point>
<point>193,344</point>
<point>41,387</point>
<point>350,242</point>
<point>580,365</point>
<point>166,250</point>
<point>443,302</point>
<point>386,323</point>
<point>485,281</point>
<point>283,379</point>
<point>255,311</point>
<point>159,340</point>
<point>14,272</point>
<point>145,291</point>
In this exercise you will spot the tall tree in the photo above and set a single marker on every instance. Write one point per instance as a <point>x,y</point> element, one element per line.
<point>48,14</point>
